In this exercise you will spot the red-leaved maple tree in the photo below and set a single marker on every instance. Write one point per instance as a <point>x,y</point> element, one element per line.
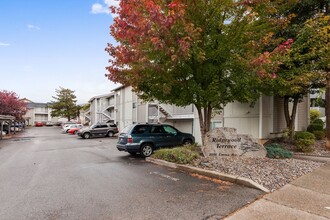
<point>10,104</point>
<point>183,52</point>
<point>145,24</point>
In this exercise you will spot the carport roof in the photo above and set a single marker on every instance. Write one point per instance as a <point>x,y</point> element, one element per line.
<point>6,117</point>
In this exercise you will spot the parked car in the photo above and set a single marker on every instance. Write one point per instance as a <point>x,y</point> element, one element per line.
<point>19,124</point>
<point>39,124</point>
<point>73,130</point>
<point>67,123</point>
<point>98,130</point>
<point>58,123</point>
<point>49,123</point>
<point>70,126</point>
<point>146,138</point>
<point>15,129</point>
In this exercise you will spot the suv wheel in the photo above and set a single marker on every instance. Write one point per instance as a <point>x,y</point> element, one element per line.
<point>146,150</point>
<point>110,134</point>
<point>87,135</point>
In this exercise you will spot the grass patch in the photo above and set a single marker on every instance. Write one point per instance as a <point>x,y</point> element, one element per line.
<point>179,155</point>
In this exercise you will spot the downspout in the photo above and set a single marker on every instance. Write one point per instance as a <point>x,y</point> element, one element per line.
<point>158,113</point>
<point>272,114</point>
<point>95,111</point>
<point>136,110</point>
<point>115,109</point>
<point>147,112</point>
<point>260,117</point>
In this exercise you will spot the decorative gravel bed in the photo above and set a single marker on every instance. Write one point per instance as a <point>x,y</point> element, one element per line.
<point>320,148</point>
<point>270,173</point>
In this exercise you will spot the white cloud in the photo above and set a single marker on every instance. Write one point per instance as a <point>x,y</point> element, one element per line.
<point>111,2</point>
<point>2,44</point>
<point>98,8</point>
<point>33,27</point>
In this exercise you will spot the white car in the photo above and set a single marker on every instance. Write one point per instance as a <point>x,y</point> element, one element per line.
<point>67,127</point>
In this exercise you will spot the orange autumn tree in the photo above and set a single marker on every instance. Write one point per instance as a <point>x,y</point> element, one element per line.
<point>184,52</point>
<point>284,75</point>
<point>289,65</point>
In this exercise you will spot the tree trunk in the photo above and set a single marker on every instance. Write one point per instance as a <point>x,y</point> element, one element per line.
<point>290,118</point>
<point>286,111</point>
<point>293,117</point>
<point>327,113</point>
<point>201,122</point>
<point>204,115</point>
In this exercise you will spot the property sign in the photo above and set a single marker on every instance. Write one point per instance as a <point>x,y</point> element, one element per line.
<point>224,142</point>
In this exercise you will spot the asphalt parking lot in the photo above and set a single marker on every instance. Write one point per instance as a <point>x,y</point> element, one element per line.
<point>46,174</point>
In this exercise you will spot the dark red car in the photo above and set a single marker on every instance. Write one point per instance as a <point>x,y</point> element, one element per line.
<point>39,124</point>
<point>73,130</point>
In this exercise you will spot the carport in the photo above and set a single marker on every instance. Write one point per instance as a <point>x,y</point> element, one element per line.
<point>4,118</point>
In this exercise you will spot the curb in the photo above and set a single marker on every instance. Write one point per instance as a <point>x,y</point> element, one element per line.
<point>6,137</point>
<point>209,173</point>
<point>315,158</point>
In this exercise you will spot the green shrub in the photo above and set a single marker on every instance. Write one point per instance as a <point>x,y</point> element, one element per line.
<point>304,135</point>
<point>305,145</point>
<point>314,114</point>
<point>180,155</point>
<point>277,151</point>
<point>319,135</point>
<point>314,127</point>
<point>286,133</point>
<point>318,121</point>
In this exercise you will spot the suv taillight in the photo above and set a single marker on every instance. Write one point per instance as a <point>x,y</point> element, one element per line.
<point>129,139</point>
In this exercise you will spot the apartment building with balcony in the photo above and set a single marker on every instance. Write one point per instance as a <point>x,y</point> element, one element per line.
<point>124,107</point>
<point>37,112</point>
<point>263,120</point>
<point>102,109</point>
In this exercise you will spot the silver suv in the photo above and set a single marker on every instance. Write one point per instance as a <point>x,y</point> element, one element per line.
<point>98,130</point>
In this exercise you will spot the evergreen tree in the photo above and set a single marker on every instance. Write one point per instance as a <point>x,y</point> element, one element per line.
<point>64,104</point>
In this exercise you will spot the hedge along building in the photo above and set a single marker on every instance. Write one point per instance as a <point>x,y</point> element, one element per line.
<point>263,120</point>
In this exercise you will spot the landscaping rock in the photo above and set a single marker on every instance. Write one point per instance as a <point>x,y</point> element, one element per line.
<point>225,142</point>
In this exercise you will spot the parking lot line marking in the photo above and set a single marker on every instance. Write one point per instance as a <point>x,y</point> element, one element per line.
<point>165,176</point>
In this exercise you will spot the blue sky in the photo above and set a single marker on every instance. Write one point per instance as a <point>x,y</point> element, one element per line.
<point>47,44</point>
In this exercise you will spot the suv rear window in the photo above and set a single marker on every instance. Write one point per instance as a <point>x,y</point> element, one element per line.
<point>126,129</point>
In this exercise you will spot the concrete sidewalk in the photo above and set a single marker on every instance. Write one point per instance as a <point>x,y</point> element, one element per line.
<point>307,197</point>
